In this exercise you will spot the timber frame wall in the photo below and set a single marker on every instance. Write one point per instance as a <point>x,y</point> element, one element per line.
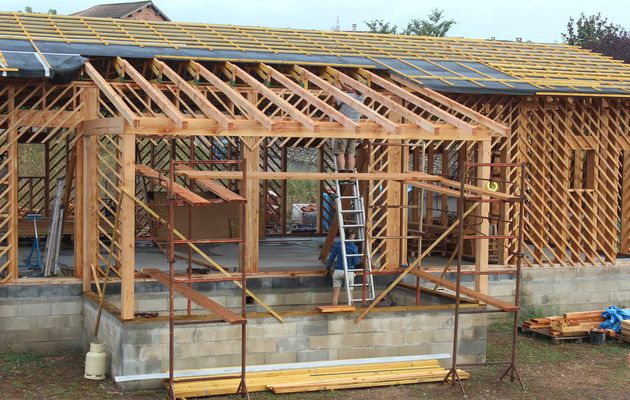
<point>123,113</point>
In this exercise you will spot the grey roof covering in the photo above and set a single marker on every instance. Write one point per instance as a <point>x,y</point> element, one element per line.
<point>118,10</point>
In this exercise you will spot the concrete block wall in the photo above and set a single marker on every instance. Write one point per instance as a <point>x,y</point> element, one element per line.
<point>558,290</point>
<point>43,318</point>
<point>301,338</point>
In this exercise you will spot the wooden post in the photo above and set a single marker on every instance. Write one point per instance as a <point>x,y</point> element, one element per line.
<point>249,246</point>
<point>13,189</point>
<point>393,196</point>
<point>127,227</point>
<point>79,206</point>
<point>625,204</point>
<point>483,210</point>
<point>89,194</point>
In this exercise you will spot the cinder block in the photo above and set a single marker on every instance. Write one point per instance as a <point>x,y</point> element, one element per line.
<point>152,352</point>
<point>224,348</point>
<point>19,323</point>
<point>312,355</point>
<point>297,298</point>
<point>8,310</point>
<point>417,337</point>
<point>312,328</point>
<point>265,345</point>
<point>472,347</point>
<point>134,367</point>
<point>32,309</point>
<point>53,321</point>
<point>293,344</point>
<point>280,358</point>
<point>599,297</point>
<point>327,342</point>
<point>442,335</point>
<point>345,353</point>
<point>66,307</point>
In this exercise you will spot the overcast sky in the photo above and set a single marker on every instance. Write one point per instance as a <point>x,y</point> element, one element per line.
<point>536,20</point>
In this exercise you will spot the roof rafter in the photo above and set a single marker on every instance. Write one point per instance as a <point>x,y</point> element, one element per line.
<point>248,107</point>
<point>156,95</point>
<point>309,97</point>
<point>386,101</point>
<point>350,101</point>
<point>195,95</point>
<point>111,94</point>
<point>284,105</point>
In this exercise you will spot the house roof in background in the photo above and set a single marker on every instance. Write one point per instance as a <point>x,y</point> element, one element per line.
<point>447,64</point>
<point>118,10</point>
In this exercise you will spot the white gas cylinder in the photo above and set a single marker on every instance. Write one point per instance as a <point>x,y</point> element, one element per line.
<point>96,362</point>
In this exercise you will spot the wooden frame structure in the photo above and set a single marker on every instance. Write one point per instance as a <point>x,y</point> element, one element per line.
<point>115,122</point>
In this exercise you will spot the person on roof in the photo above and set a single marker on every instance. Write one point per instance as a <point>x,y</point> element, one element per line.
<point>345,149</point>
<point>338,272</point>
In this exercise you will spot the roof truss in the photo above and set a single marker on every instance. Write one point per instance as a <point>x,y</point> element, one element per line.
<point>156,97</point>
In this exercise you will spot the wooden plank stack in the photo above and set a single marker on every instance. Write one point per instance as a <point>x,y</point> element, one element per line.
<point>625,331</point>
<point>320,378</point>
<point>573,324</point>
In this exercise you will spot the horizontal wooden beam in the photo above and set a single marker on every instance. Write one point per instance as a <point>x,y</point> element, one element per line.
<point>271,175</point>
<point>103,126</point>
<point>48,119</point>
<point>185,194</point>
<point>369,130</point>
<point>213,186</point>
<point>196,297</point>
<point>493,301</point>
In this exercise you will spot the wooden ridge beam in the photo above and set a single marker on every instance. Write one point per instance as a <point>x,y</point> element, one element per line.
<point>310,98</point>
<point>125,68</point>
<point>417,101</point>
<point>386,101</point>
<point>284,105</point>
<point>195,95</point>
<point>249,108</point>
<point>187,195</point>
<point>349,100</point>
<point>111,94</point>
<point>460,108</point>
<point>493,301</point>
<point>213,186</point>
<point>196,297</point>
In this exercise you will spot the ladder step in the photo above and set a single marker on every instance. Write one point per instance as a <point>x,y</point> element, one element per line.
<point>352,211</point>
<point>348,197</point>
<point>352,226</point>
<point>354,255</point>
<point>355,240</point>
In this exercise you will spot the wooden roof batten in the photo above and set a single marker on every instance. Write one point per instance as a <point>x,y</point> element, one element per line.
<point>278,116</point>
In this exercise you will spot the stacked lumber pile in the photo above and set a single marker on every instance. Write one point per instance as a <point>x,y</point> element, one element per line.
<point>320,378</point>
<point>572,324</point>
<point>625,331</point>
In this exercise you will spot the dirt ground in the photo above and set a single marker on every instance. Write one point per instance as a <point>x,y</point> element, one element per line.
<point>566,371</point>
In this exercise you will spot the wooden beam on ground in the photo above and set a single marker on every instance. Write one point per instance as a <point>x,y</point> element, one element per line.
<point>473,294</point>
<point>154,93</point>
<point>195,95</point>
<point>310,98</point>
<point>349,100</point>
<point>281,103</point>
<point>111,94</point>
<point>213,186</point>
<point>187,195</point>
<point>196,297</point>
<point>386,101</point>
<point>415,264</point>
<point>235,97</point>
<point>454,105</point>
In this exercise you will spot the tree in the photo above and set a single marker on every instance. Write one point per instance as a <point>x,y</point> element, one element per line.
<point>29,9</point>
<point>435,25</point>
<point>595,33</point>
<point>380,26</point>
